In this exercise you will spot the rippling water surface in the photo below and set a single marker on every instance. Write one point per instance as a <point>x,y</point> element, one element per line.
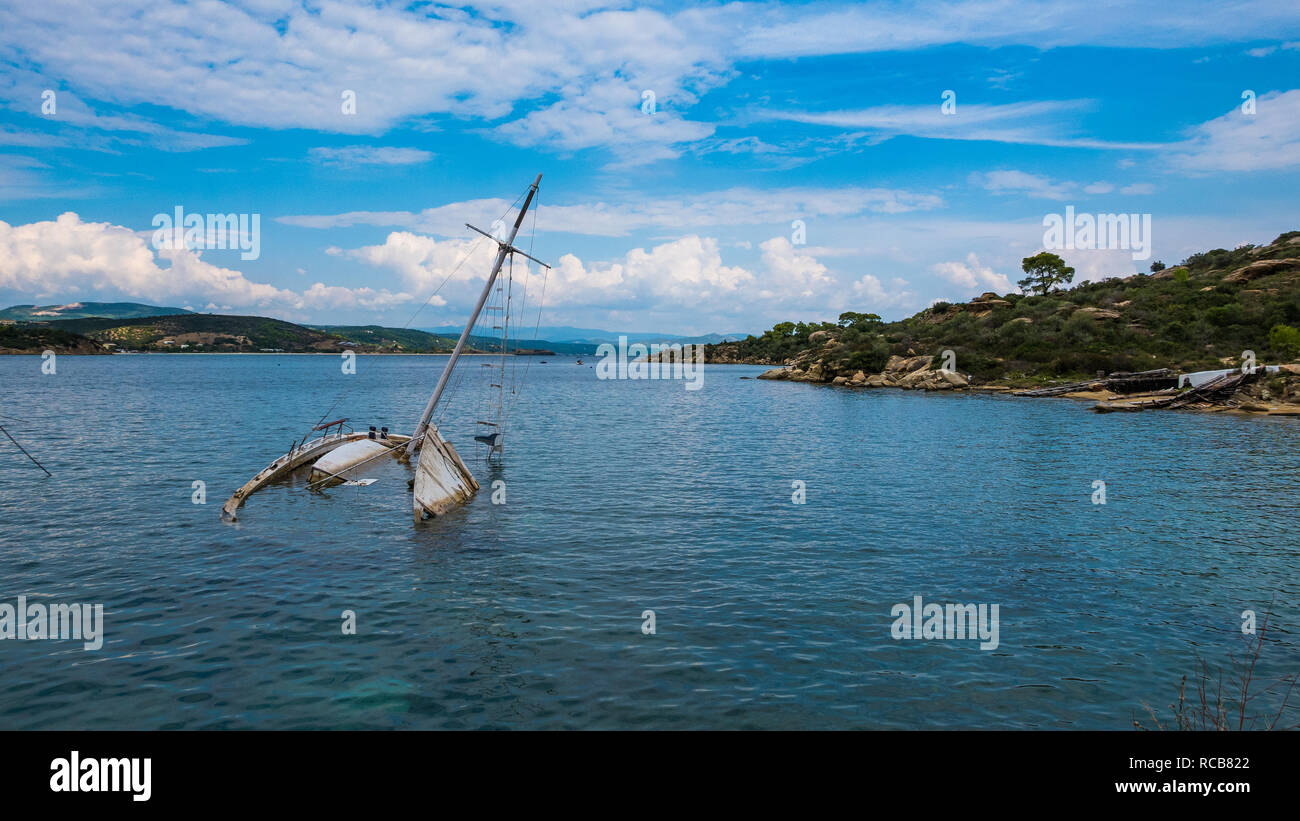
<point>623,497</point>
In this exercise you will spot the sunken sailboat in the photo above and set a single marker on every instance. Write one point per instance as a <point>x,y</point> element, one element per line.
<point>442,480</point>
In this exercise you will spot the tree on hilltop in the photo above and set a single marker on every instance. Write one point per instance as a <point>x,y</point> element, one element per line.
<point>1045,270</point>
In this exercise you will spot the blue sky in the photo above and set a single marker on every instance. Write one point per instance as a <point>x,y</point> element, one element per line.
<point>676,220</point>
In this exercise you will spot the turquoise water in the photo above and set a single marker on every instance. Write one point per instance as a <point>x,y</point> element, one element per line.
<point>623,497</point>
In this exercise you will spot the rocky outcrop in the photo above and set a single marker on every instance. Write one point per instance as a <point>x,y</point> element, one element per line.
<point>984,304</point>
<point>1097,313</point>
<point>1264,267</point>
<point>907,372</point>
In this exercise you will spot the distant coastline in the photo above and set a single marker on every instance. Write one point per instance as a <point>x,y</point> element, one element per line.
<point>150,332</point>
<point>6,352</point>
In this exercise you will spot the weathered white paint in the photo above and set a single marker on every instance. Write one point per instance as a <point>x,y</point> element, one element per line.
<point>345,457</point>
<point>1199,378</point>
<point>441,479</point>
<point>305,454</point>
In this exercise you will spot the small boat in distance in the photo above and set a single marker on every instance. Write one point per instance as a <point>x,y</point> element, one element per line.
<point>442,481</point>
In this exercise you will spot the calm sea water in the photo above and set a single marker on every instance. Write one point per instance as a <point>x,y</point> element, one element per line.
<point>623,497</point>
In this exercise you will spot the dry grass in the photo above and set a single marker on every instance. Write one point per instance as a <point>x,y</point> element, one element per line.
<point>1212,707</point>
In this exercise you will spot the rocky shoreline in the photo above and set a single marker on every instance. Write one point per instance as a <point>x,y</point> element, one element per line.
<point>907,372</point>
<point>1271,394</point>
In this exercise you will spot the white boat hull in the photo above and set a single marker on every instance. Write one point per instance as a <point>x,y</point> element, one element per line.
<point>336,464</point>
<point>441,479</point>
<point>301,455</point>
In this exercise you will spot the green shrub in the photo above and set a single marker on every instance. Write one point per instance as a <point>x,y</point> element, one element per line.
<point>1284,340</point>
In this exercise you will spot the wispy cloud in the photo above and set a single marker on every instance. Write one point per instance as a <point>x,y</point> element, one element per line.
<point>1267,140</point>
<point>359,155</point>
<point>1025,123</point>
<point>1011,181</point>
<point>732,207</point>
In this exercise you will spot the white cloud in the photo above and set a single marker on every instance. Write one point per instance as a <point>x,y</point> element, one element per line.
<point>357,155</point>
<point>77,125</point>
<point>1265,141</point>
<point>1034,185</point>
<point>732,207</point>
<point>784,31</point>
<point>792,272</point>
<point>334,297</point>
<point>878,297</point>
<point>1031,123</point>
<point>286,65</point>
<point>971,274</point>
<point>441,268</point>
<point>1138,188</point>
<point>69,257</point>
<point>1020,182</point>
<point>685,273</point>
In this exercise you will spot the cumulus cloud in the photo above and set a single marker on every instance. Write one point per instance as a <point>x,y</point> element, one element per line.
<point>447,270</point>
<point>685,273</point>
<point>791,271</point>
<point>876,296</point>
<point>67,256</point>
<point>971,274</point>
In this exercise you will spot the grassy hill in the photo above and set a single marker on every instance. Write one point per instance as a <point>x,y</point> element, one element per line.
<point>1200,314</point>
<point>246,334</point>
<point>83,310</point>
<point>36,339</point>
<point>203,332</point>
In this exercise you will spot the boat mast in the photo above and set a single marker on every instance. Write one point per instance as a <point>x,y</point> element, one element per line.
<point>505,291</point>
<point>503,248</point>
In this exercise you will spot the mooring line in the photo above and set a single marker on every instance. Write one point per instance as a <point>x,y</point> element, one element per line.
<point>24,450</point>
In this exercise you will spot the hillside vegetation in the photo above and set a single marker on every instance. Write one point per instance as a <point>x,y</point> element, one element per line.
<point>204,332</point>
<point>391,339</point>
<point>1201,314</point>
<point>196,333</point>
<point>37,339</point>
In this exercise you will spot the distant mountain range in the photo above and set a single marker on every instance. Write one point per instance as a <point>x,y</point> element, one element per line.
<point>223,333</point>
<point>102,327</point>
<point>413,339</point>
<point>86,310</point>
<point>595,336</point>
<point>561,339</point>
